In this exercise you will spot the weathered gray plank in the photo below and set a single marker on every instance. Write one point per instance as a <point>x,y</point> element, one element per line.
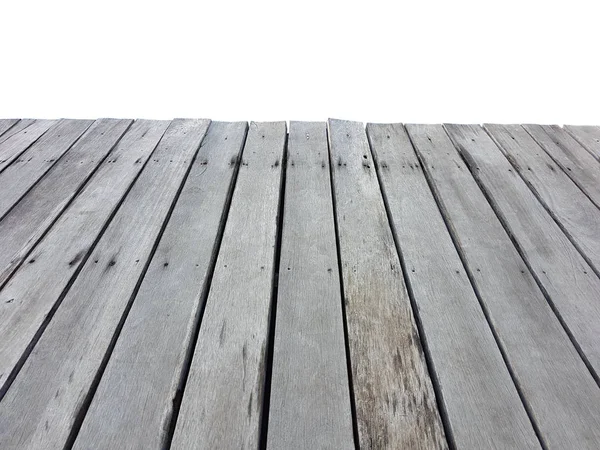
<point>559,267</point>
<point>395,401</point>
<point>482,404</point>
<point>587,136</point>
<point>43,403</point>
<point>310,397</point>
<point>143,375</point>
<point>222,401</point>
<point>16,144</point>
<point>575,161</point>
<point>32,293</point>
<point>23,173</point>
<point>562,395</point>
<point>19,126</point>
<point>577,215</point>
<point>7,124</point>
<point>29,219</point>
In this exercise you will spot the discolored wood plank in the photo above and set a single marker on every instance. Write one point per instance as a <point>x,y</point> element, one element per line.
<point>29,298</point>
<point>576,214</point>
<point>71,351</point>
<point>562,395</point>
<point>310,397</point>
<point>223,398</point>
<point>574,160</point>
<point>556,264</point>
<point>395,400</point>
<point>32,216</point>
<point>587,136</point>
<point>11,148</point>
<point>25,171</point>
<point>483,406</point>
<point>147,363</point>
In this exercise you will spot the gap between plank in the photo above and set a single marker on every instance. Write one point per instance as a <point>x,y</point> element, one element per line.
<point>457,246</point>
<point>472,167</point>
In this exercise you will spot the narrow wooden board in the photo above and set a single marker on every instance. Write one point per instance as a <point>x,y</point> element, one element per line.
<point>11,148</point>
<point>571,284</point>
<point>587,136</point>
<point>46,398</point>
<point>26,170</point>
<point>310,398</point>
<point>7,124</point>
<point>28,300</point>
<point>143,375</point>
<point>573,159</point>
<point>394,396</point>
<point>223,398</point>
<point>19,126</point>
<point>483,406</point>
<point>561,393</point>
<point>32,216</point>
<point>572,209</point>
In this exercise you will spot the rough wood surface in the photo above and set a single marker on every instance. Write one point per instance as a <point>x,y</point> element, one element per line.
<point>310,398</point>
<point>28,220</point>
<point>574,160</point>
<point>23,173</point>
<point>29,297</point>
<point>133,405</point>
<point>45,399</point>
<point>561,393</point>
<point>16,128</point>
<point>571,284</point>
<point>16,144</point>
<point>571,208</point>
<point>7,124</point>
<point>477,390</point>
<point>587,136</point>
<point>223,397</point>
<point>395,401</point>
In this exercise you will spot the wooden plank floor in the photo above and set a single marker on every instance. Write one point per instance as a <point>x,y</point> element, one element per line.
<point>323,285</point>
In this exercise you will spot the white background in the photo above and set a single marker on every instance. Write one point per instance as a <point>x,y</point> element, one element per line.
<point>417,61</point>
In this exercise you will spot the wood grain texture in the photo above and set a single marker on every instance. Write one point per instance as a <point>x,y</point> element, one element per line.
<point>571,208</point>
<point>16,128</point>
<point>310,397</point>
<point>483,406</point>
<point>31,294</point>
<point>395,401</point>
<point>25,171</point>
<point>7,124</point>
<point>16,144</point>
<point>562,395</point>
<point>571,284</point>
<point>133,405</point>
<point>32,216</point>
<point>572,158</point>
<point>587,136</point>
<point>46,397</point>
<point>223,397</point>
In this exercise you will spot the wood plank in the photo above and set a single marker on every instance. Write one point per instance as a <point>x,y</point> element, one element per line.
<point>223,398</point>
<point>394,396</point>
<point>562,395</point>
<point>575,161</point>
<point>558,266</point>
<point>29,298</point>
<point>7,124</point>
<point>310,398</point>
<point>482,404</point>
<point>144,373</point>
<point>575,213</point>
<point>587,136</point>
<point>48,395</point>
<point>19,126</point>
<point>34,214</point>
<point>26,170</point>
<point>11,148</point>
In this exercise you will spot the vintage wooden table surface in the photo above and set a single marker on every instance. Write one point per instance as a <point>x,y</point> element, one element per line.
<point>196,284</point>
